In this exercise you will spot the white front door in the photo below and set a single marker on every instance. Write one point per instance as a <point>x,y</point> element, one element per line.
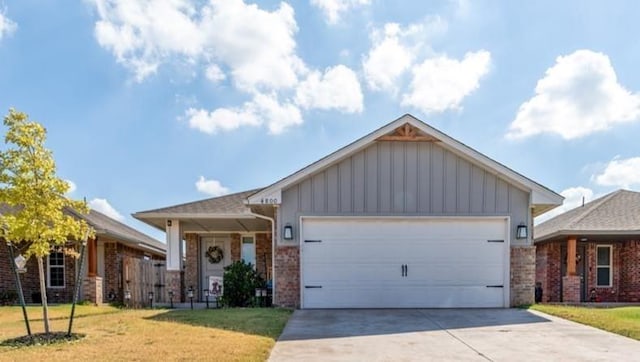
<point>210,246</point>
<point>404,263</point>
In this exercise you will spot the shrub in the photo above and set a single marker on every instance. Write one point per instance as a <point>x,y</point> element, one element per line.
<point>8,297</point>
<point>240,283</point>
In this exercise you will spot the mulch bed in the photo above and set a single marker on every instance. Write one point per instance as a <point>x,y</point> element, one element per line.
<point>40,339</point>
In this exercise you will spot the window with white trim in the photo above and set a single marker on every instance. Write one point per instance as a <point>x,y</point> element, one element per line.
<point>603,265</point>
<point>56,269</point>
<point>248,250</point>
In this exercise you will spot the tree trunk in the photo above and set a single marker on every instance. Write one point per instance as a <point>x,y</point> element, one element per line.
<point>43,294</point>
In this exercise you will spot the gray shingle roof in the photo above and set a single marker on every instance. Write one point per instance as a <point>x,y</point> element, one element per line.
<point>227,204</point>
<point>614,213</point>
<point>113,228</point>
<point>107,226</point>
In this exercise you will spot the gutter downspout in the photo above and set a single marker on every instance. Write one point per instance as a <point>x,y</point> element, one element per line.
<point>273,250</point>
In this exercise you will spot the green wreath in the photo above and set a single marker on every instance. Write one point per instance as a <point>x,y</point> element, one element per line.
<point>215,254</point>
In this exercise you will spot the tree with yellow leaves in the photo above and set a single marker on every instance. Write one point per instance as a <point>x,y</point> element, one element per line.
<point>30,187</point>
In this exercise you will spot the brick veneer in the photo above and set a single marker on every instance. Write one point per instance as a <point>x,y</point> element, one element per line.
<point>287,272</point>
<point>523,269</point>
<point>191,271</point>
<point>235,247</point>
<point>263,255</point>
<point>31,282</point>
<point>630,272</point>
<point>93,291</point>
<point>173,282</point>
<point>548,270</point>
<point>571,289</point>
<point>625,268</point>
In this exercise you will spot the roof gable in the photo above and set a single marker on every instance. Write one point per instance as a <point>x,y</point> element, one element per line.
<point>409,128</point>
<point>617,213</point>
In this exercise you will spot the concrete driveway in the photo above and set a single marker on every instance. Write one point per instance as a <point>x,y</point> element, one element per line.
<point>445,335</point>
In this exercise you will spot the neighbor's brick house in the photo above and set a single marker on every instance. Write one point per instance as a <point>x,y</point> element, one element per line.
<point>591,253</point>
<point>404,217</point>
<point>113,241</point>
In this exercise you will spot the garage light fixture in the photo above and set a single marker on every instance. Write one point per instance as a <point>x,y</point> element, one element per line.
<point>521,231</point>
<point>288,232</point>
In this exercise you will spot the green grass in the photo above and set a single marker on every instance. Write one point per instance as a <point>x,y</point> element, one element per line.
<point>148,335</point>
<point>620,320</point>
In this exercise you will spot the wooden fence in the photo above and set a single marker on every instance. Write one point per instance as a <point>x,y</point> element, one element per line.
<point>141,277</point>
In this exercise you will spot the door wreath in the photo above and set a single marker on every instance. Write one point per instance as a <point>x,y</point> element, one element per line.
<point>215,254</point>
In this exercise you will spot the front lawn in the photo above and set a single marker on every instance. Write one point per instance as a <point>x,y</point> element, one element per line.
<point>114,335</point>
<point>620,320</point>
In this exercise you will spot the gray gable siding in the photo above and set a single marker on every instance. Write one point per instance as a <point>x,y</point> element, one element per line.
<point>404,178</point>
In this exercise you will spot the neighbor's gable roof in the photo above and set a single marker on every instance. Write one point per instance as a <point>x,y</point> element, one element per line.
<point>617,213</point>
<point>104,225</point>
<point>542,198</point>
<point>232,204</point>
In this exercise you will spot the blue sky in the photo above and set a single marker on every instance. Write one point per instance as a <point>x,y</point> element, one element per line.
<point>150,103</point>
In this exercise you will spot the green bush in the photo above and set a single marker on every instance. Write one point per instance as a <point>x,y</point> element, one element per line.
<point>8,297</point>
<point>240,283</point>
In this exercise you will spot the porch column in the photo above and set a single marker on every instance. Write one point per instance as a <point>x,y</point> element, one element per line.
<point>92,254</point>
<point>571,255</point>
<point>571,281</point>
<point>174,260</point>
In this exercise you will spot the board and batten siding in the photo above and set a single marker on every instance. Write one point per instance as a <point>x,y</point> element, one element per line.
<point>404,178</point>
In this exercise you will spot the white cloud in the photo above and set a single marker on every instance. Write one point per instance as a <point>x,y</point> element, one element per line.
<point>103,206</point>
<point>257,46</point>
<point>7,26</point>
<point>573,197</point>
<point>333,9</point>
<point>72,186</point>
<point>578,96</point>
<point>263,109</point>
<point>214,73</point>
<point>221,119</point>
<point>211,187</point>
<point>441,83</point>
<point>623,173</point>
<point>394,51</point>
<point>388,58</point>
<point>338,88</point>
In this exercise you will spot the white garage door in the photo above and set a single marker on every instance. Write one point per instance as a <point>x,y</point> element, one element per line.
<point>404,263</point>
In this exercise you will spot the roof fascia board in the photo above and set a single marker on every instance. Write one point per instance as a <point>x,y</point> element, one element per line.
<point>191,215</point>
<point>540,194</point>
<point>587,232</point>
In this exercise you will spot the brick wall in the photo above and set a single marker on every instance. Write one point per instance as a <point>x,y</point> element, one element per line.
<point>523,273</point>
<point>287,272</point>
<point>31,282</point>
<point>235,247</point>
<point>263,255</point>
<point>630,271</point>
<point>548,270</point>
<point>625,272</point>
<point>191,267</point>
<point>93,290</point>
<point>571,289</point>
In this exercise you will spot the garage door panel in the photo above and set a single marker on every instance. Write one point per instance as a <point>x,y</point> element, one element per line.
<point>357,262</point>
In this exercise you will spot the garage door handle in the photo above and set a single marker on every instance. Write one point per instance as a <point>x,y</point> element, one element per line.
<point>313,241</point>
<point>313,286</point>
<point>406,270</point>
<point>495,286</point>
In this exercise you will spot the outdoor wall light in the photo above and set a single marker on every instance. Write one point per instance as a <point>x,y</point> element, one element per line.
<point>288,232</point>
<point>169,223</point>
<point>521,231</point>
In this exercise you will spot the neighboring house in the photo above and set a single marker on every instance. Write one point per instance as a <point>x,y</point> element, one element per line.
<point>114,244</point>
<point>591,253</point>
<point>403,217</point>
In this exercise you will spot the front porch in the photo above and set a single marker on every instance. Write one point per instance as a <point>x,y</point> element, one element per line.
<point>204,237</point>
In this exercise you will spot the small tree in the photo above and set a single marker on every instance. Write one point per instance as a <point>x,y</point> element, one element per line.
<point>29,185</point>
